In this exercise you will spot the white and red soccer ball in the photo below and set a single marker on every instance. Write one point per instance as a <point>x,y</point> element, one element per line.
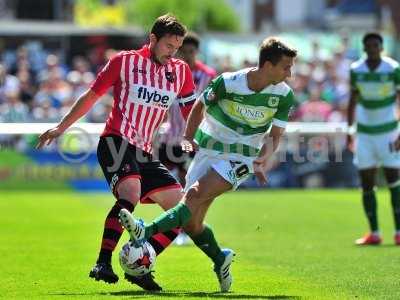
<point>137,260</point>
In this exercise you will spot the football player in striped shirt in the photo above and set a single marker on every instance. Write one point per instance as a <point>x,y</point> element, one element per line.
<point>245,115</point>
<point>145,83</point>
<point>375,84</point>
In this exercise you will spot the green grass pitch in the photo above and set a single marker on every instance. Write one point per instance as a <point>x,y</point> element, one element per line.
<point>290,245</point>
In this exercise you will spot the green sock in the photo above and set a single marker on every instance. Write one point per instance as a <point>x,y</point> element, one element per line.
<point>177,216</point>
<point>369,203</point>
<point>207,243</point>
<point>395,195</point>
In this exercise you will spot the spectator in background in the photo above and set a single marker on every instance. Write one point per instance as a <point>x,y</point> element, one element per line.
<point>26,87</point>
<point>13,110</point>
<point>54,88</point>
<point>52,67</point>
<point>314,110</point>
<point>8,84</point>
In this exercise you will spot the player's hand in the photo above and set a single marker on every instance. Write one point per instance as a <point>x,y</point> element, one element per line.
<point>260,170</point>
<point>47,137</point>
<point>189,145</point>
<point>350,142</point>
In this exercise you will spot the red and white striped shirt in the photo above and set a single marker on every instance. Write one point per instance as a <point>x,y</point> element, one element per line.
<point>174,127</point>
<point>143,92</point>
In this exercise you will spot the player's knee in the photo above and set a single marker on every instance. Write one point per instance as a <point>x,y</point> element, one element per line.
<point>129,189</point>
<point>195,196</point>
<point>368,187</point>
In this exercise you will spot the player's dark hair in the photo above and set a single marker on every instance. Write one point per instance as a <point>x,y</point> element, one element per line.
<point>372,35</point>
<point>192,39</point>
<point>272,50</point>
<point>167,24</point>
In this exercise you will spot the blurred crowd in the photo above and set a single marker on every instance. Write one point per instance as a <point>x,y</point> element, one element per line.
<point>320,85</point>
<point>42,90</point>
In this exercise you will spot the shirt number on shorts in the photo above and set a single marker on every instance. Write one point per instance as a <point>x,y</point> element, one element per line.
<point>240,168</point>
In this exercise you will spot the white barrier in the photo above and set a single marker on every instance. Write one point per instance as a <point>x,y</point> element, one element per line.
<point>97,128</point>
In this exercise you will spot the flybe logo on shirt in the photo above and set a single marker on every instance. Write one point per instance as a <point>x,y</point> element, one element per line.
<point>153,96</point>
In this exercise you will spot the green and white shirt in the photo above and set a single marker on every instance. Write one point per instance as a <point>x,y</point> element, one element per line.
<point>376,106</point>
<point>237,118</point>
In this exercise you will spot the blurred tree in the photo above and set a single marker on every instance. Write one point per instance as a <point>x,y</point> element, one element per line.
<point>214,15</point>
<point>99,13</point>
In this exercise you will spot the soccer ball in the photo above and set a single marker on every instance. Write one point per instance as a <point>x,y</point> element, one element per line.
<point>137,260</point>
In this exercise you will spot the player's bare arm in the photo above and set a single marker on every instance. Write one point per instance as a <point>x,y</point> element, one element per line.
<point>267,150</point>
<point>193,122</point>
<point>350,116</point>
<point>78,110</point>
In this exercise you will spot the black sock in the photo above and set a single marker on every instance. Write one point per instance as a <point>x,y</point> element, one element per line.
<point>161,241</point>
<point>112,230</point>
<point>395,197</point>
<point>369,203</point>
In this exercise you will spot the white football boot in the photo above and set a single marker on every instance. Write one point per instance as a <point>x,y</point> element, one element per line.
<point>223,272</point>
<point>135,228</point>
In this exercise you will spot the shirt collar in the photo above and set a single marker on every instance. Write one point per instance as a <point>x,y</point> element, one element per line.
<point>145,51</point>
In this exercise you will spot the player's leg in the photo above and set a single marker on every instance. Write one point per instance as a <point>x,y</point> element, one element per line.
<point>167,198</point>
<point>366,159</point>
<point>122,174</point>
<point>393,180</point>
<point>204,238</point>
<point>367,177</point>
<point>157,186</point>
<point>180,215</point>
<point>215,177</point>
<point>391,164</point>
<point>179,160</point>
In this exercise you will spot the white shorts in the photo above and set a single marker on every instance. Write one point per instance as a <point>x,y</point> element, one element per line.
<point>233,168</point>
<point>375,150</point>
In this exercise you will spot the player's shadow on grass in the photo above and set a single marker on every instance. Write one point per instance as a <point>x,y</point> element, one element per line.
<point>170,294</point>
<point>141,294</point>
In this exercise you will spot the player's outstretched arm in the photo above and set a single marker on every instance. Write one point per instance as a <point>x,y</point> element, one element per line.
<point>193,122</point>
<point>270,145</point>
<point>79,109</point>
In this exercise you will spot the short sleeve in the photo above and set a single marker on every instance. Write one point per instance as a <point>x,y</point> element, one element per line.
<point>214,91</point>
<point>397,78</point>
<point>187,95</point>
<point>107,76</point>
<point>282,114</point>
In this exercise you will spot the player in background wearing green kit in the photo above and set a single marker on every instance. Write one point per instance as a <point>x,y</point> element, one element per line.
<point>245,114</point>
<point>375,83</point>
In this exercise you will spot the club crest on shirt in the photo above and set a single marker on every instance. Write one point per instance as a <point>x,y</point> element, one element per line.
<point>137,70</point>
<point>170,76</point>
<point>273,101</point>
<point>210,96</point>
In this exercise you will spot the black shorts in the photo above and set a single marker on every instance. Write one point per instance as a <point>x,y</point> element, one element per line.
<point>173,156</point>
<point>134,163</point>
